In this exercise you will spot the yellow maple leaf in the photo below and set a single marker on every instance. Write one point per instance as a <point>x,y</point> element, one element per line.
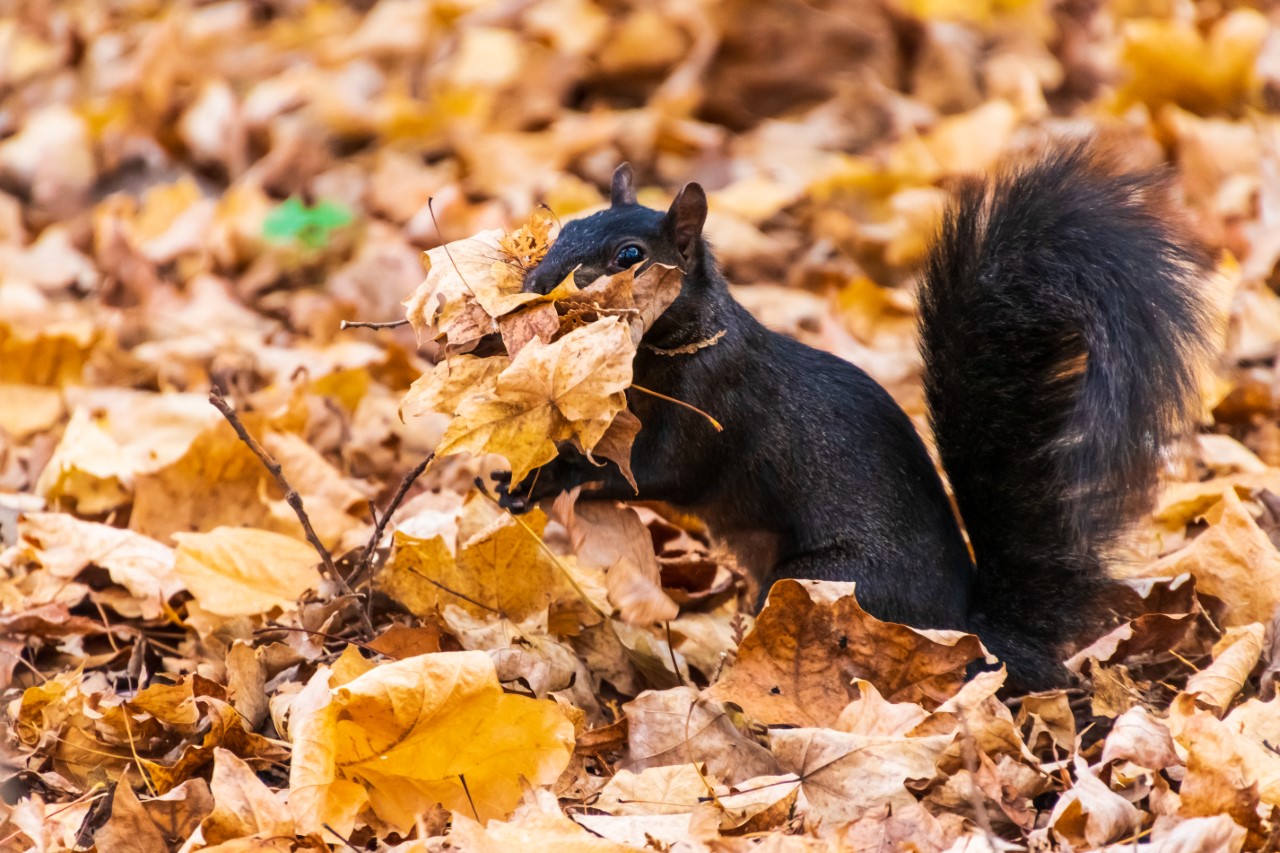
<point>571,388</point>
<point>53,355</point>
<point>239,571</point>
<point>435,728</point>
<point>1172,61</point>
<point>450,382</point>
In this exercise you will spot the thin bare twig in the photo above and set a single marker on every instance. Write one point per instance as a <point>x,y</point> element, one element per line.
<point>445,245</point>
<point>291,496</point>
<point>361,324</point>
<point>365,565</point>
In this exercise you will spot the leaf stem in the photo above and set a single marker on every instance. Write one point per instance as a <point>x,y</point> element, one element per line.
<point>715,423</point>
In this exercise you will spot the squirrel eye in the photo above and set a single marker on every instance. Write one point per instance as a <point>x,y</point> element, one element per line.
<point>628,256</point>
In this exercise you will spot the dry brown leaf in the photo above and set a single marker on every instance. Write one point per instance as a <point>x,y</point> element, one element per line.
<point>844,775</point>
<point>1234,658</point>
<point>611,537</point>
<point>677,726</point>
<point>242,805</point>
<point>615,444</point>
<point>811,642</point>
<point>157,824</point>
<point>1233,560</point>
<point>1091,813</point>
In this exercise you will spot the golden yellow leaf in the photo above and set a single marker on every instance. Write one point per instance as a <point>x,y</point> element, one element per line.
<point>239,571</point>
<point>408,573</point>
<point>1171,60</point>
<point>218,481</point>
<point>52,355</point>
<point>242,804</point>
<point>549,392</point>
<point>28,409</point>
<point>526,246</point>
<point>115,436</point>
<point>500,568</point>
<point>405,735</point>
<point>450,382</point>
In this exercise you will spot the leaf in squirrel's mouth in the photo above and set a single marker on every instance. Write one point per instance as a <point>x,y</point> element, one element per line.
<point>566,358</point>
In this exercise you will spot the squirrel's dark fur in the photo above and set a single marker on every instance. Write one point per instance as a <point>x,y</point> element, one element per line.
<point>1062,328</point>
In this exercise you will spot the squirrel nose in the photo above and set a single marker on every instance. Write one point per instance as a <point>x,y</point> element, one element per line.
<point>535,281</point>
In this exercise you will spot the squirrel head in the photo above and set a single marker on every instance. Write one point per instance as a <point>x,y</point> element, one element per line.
<point>625,235</point>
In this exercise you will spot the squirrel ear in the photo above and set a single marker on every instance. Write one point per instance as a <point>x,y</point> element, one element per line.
<point>623,191</point>
<point>686,217</point>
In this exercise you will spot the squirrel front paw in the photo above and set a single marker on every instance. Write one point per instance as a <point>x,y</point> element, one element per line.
<point>559,475</point>
<point>514,499</point>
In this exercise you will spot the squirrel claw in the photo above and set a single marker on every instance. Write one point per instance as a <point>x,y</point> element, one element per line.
<point>508,497</point>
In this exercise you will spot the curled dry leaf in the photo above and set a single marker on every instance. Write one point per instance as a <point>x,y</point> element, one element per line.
<point>65,546</point>
<point>1090,813</point>
<point>1233,560</point>
<point>1223,760</point>
<point>1139,737</point>
<point>1234,658</point>
<point>870,714</point>
<point>610,536</point>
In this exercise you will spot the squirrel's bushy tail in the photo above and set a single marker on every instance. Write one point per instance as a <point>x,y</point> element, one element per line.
<point>1063,329</point>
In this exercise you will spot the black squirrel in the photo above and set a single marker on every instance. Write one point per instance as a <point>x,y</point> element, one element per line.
<point>1062,327</point>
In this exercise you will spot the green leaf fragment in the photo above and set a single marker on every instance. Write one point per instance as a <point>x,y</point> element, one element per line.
<point>294,221</point>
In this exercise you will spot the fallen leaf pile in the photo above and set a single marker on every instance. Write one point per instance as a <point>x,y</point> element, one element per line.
<point>266,624</point>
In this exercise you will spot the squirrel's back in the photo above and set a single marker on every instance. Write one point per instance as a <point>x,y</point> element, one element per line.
<point>1063,329</point>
